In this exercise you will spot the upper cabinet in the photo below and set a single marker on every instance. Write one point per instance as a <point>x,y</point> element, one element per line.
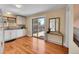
<point>9,21</point>
<point>12,21</point>
<point>20,20</point>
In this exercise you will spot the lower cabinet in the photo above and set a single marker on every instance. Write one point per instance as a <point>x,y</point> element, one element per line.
<point>19,33</point>
<point>13,34</point>
<point>7,35</point>
<point>24,32</point>
<point>55,39</point>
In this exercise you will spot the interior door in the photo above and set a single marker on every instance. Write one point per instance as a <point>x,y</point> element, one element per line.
<point>1,33</point>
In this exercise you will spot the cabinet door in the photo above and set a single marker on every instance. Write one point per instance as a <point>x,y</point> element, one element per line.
<point>19,33</point>
<point>13,34</point>
<point>20,20</point>
<point>24,32</point>
<point>7,35</point>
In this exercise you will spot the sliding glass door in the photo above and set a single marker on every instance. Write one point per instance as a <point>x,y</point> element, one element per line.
<point>38,27</point>
<point>35,28</point>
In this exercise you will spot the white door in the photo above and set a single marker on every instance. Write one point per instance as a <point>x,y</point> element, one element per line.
<point>1,33</point>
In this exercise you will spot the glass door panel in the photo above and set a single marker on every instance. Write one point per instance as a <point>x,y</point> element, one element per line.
<point>41,28</point>
<point>38,28</point>
<point>35,28</point>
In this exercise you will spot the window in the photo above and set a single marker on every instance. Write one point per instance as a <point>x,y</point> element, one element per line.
<point>54,24</point>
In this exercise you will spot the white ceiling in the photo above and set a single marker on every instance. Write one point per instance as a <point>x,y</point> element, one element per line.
<point>29,9</point>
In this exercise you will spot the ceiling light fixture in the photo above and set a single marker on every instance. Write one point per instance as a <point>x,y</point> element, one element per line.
<point>18,6</point>
<point>8,12</point>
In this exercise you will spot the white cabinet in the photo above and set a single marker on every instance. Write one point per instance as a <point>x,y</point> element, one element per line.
<point>7,35</point>
<point>55,39</point>
<point>21,32</point>
<point>13,34</point>
<point>24,32</point>
<point>20,20</point>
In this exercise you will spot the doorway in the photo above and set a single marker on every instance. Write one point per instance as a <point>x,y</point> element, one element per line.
<point>38,27</point>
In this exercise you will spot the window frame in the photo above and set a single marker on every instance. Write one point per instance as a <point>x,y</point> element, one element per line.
<point>55,24</point>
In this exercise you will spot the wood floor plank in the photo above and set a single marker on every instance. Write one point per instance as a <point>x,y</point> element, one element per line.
<point>30,45</point>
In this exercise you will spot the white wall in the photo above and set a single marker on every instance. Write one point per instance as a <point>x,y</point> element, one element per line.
<point>73,48</point>
<point>29,26</point>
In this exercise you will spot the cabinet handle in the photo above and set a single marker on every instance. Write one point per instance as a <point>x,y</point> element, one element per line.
<point>1,43</point>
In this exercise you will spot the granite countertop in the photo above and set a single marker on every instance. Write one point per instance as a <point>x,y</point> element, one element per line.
<point>12,28</point>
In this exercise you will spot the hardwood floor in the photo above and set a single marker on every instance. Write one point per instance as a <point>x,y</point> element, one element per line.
<point>30,45</point>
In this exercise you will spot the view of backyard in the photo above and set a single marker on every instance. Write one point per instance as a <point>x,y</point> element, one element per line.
<point>38,28</point>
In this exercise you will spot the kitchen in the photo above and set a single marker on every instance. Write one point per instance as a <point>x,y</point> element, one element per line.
<point>14,27</point>
<point>17,27</point>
